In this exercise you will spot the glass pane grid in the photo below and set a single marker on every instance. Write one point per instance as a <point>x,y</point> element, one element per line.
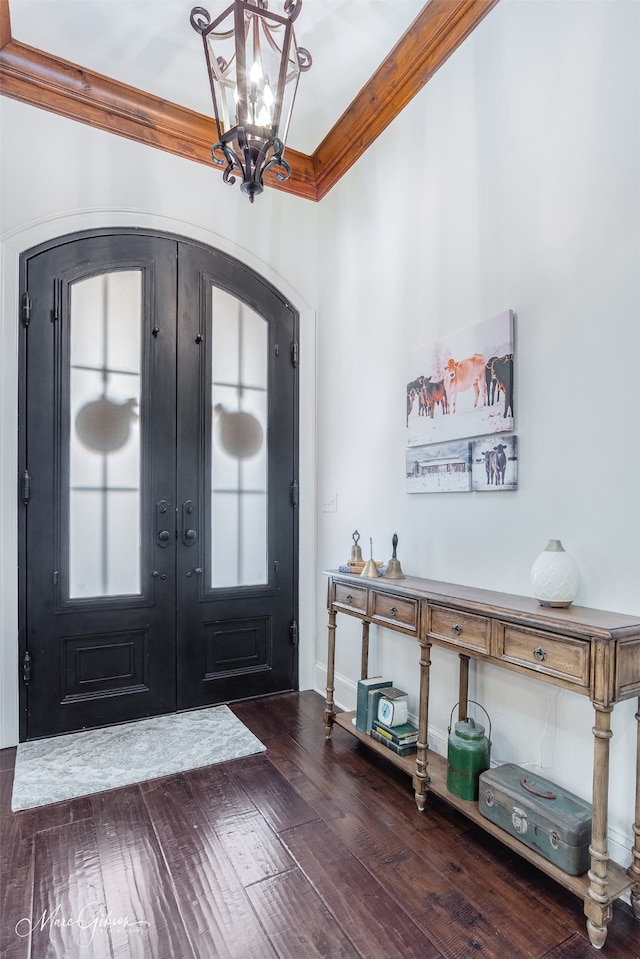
<point>239,396</point>
<point>104,435</point>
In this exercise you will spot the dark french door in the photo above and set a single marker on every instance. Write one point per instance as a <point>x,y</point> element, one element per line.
<point>158,447</point>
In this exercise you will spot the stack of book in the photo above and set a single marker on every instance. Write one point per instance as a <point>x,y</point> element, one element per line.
<point>369,692</point>
<point>356,568</point>
<point>401,739</point>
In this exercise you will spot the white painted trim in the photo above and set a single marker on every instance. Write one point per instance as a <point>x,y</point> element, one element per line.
<point>9,499</point>
<point>12,244</point>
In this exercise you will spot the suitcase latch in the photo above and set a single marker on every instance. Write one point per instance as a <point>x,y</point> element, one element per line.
<point>519,820</point>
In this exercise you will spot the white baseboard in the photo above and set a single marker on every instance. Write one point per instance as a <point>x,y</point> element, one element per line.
<point>344,695</point>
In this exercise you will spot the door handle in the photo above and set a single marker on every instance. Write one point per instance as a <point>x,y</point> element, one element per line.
<point>189,533</point>
<point>163,535</point>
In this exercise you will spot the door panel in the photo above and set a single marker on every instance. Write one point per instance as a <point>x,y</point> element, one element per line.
<point>235,370</point>
<point>159,559</point>
<point>93,613</point>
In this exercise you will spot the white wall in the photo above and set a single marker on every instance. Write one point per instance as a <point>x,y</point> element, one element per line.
<point>57,176</point>
<point>511,181</point>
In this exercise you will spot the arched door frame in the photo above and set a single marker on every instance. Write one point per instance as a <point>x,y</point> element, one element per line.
<point>46,231</point>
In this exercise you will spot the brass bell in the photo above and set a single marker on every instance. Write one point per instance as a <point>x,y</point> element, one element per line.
<point>394,569</point>
<point>370,570</point>
<point>356,552</point>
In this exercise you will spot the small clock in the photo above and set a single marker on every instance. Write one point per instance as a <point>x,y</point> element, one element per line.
<point>393,712</point>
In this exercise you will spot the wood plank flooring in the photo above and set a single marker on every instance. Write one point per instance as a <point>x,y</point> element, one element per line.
<point>313,850</point>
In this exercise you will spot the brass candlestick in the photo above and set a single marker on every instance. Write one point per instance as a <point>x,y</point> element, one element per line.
<point>394,569</point>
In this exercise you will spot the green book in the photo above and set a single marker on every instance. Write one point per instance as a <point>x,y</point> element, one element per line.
<point>406,731</point>
<point>365,686</point>
<point>408,750</point>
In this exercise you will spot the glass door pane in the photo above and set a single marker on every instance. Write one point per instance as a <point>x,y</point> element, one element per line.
<point>105,316</point>
<point>239,443</point>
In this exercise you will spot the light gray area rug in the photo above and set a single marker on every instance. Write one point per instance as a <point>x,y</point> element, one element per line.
<point>77,764</point>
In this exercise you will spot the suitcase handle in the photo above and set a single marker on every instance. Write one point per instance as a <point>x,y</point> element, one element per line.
<point>536,792</point>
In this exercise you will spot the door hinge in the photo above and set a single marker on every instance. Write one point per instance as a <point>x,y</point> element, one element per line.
<point>295,355</point>
<point>26,308</point>
<point>25,487</point>
<point>293,633</point>
<point>294,493</point>
<point>26,668</point>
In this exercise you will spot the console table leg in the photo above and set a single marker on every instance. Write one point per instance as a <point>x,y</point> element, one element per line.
<point>634,869</point>
<point>364,665</point>
<point>329,714</point>
<point>421,777</point>
<point>597,904</point>
<point>463,687</point>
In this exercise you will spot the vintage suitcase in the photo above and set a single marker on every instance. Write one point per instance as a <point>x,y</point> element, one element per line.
<point>548,819</point>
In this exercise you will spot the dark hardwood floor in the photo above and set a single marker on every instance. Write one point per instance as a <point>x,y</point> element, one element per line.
<point>312,849</point>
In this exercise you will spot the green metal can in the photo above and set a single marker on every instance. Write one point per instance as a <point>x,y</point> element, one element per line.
<point>468,755</point>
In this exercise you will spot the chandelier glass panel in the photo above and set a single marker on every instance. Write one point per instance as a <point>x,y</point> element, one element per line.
<point>254,64</point>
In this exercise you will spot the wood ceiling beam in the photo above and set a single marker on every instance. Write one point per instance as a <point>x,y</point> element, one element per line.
<point>5,24</point>
<point>45,81</point>
<point>434,35</point>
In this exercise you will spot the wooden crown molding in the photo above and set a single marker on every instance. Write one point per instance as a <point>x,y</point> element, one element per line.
<point>44,81</point>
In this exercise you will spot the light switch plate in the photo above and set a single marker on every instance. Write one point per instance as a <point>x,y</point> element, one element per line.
<point>330,503</point>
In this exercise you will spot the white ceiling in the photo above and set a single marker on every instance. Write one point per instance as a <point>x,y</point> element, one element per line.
<point>151,45</point>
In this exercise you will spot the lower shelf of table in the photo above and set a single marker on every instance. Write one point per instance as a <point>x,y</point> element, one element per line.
<point>618,881</point>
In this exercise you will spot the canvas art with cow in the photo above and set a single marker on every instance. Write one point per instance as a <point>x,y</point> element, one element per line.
<point>462,385</point>
<point>494,464</point>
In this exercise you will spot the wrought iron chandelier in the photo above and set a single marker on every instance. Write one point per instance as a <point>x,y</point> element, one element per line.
<point>254,64</point>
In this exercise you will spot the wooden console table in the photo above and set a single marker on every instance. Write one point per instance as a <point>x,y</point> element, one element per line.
<point>587,651</point>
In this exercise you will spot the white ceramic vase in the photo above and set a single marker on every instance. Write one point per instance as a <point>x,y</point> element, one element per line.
<point>554,576</point>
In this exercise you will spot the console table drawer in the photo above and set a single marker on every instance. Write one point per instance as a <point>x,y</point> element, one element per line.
<point>351,597</point>
<point>395,609</point>
<point>462,629</point>
<point>553,655</point>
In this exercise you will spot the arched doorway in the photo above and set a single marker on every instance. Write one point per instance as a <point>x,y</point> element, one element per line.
<point>158,449</point>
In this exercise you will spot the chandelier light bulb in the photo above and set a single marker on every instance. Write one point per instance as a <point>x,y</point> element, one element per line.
<point>255,73</point>
<point>264,117</point>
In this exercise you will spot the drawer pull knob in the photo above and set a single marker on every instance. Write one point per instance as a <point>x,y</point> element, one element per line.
<point>349,598</point>
<point>457,629</point>
<point>540,654</point>
<point>393,611</point>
